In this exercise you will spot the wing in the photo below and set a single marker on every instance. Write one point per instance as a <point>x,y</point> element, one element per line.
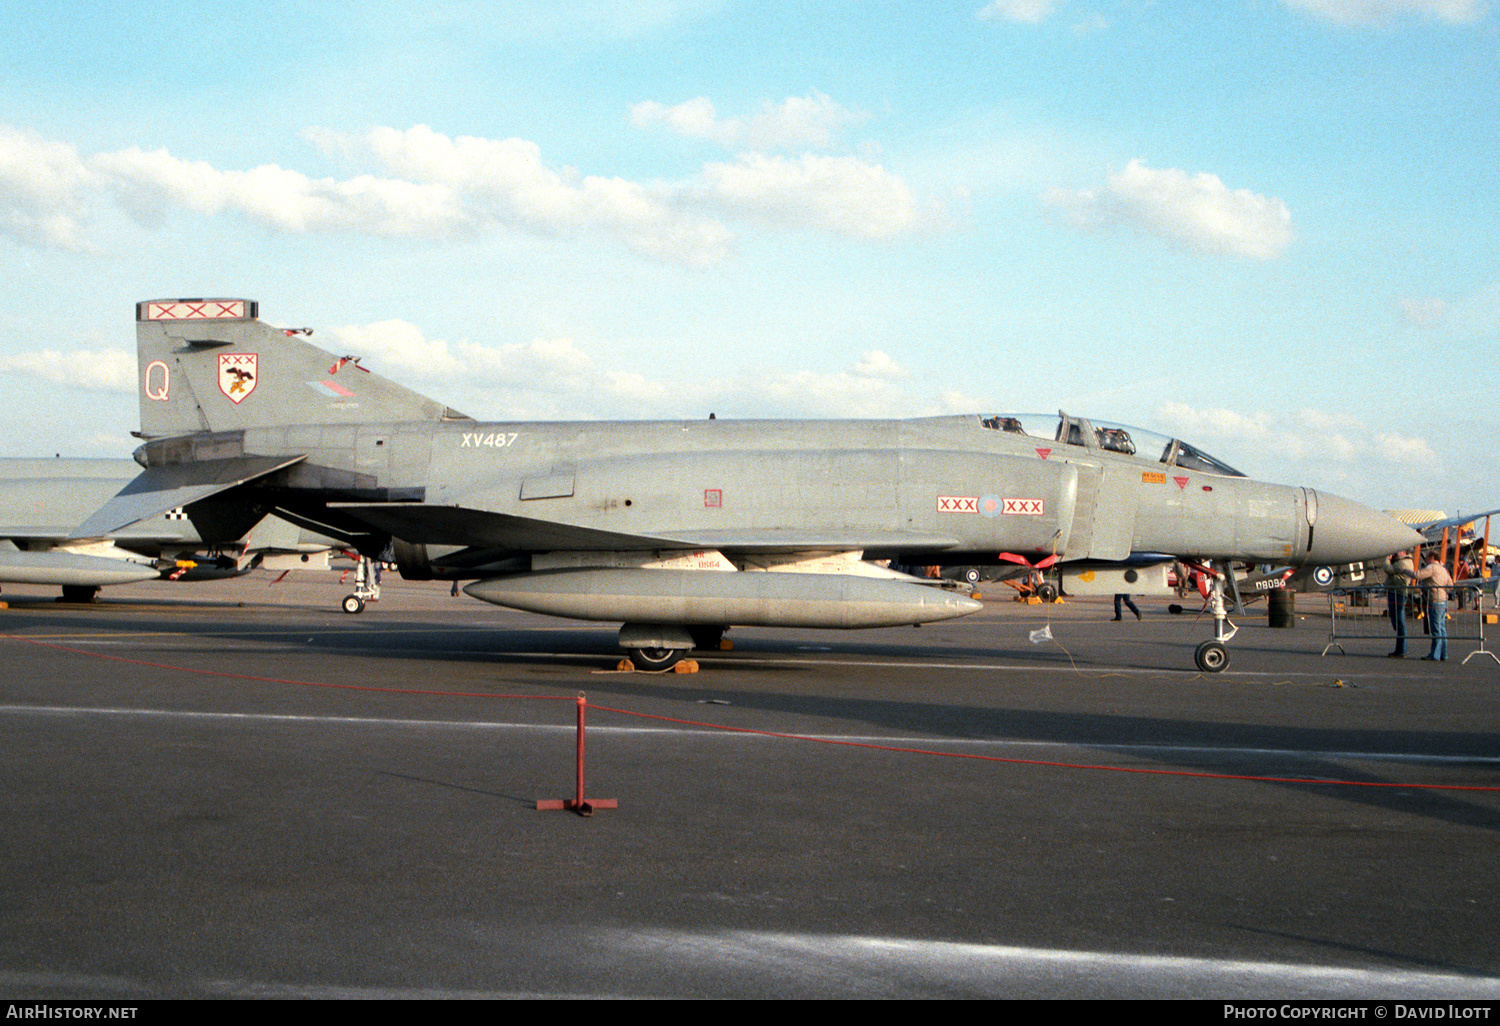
<point>457,525</point>
<point>1432,530</point>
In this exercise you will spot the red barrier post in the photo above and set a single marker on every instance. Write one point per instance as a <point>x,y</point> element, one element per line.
<point>578,803</point>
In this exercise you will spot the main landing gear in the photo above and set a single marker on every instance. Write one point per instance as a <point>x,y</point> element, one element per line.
<point>658,647</point>
<point>365,588</point>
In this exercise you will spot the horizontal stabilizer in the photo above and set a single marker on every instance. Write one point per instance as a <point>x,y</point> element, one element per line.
<point>174,485</point>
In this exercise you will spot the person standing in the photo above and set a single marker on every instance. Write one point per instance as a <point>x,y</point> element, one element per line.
<point>1398,572</point>
<point>1437,604</point>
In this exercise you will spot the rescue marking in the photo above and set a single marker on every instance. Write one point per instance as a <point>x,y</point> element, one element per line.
<point>196,311</point>
<point>238,375</point>
<point>330,389</point>
<point>1181,482</point>
<point>1153,477</point>
<point>1044,453</point>
<point>1023,507</point>
<point>713,498</point>
<point>958,504</point>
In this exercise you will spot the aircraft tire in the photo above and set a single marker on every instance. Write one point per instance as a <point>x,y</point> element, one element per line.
<point>1211,657</point>
<point>79,592</point>
<point>353,604</point>
<point>656,658</point>
<point>1047,592</point>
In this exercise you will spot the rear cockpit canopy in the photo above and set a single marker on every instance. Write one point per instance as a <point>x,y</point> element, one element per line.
<point>1097,434</point>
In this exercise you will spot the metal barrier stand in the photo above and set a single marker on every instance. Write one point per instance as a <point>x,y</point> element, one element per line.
<point>1353,614</point>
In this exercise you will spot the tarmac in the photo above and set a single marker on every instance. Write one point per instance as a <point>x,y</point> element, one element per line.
<point>233,789</point>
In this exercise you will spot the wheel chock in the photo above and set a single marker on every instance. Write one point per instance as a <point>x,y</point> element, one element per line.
<point>685,666</point>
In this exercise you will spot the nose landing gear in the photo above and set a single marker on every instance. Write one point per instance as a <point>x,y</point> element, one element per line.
<point>1212,656</point>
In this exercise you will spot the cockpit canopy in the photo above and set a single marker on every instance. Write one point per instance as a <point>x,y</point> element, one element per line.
<point>1060,427</point>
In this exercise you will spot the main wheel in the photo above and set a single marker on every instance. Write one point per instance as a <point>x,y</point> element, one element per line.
<point>1211,656</point>
<point>1047,593</point>
<point>79,592</point>
<point>354,604</point>
<point>656,658</point>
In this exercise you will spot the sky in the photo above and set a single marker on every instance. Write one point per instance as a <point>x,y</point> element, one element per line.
<point>1266,226</point>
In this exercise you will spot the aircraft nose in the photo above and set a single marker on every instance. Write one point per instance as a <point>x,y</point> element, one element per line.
<point>1347,532</point>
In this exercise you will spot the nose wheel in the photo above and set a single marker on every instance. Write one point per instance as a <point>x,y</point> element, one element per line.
<point>1211,656</point>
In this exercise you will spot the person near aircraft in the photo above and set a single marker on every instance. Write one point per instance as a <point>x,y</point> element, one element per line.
<point>1398,573</point>
<point>1437,604</point>
<point>1121,597</point>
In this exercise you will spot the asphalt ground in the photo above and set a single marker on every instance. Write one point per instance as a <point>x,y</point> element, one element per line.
<point>233,789</point>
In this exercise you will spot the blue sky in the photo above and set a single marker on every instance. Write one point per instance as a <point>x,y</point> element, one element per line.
<point>1267,226</point>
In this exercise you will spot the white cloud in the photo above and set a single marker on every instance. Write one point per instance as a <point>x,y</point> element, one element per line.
<point>1307,443</point>
<point>278,198</point>
<point>798,121</point>
<point>434,186</point>
<point>399,350</point>
<point>110,370</point>
<point>1031,12</point>
<point>1425,313</point>
<point>843,195</point>
<point>1404,449</point>
<point>1375,12</point>
<point>876,364</point>
<point>556,377</point>
<point>43,189</point>
<point>1198,210</point>
<point>505,183</point>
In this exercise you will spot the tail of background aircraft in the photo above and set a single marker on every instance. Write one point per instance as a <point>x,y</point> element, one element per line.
<point>212,365</point>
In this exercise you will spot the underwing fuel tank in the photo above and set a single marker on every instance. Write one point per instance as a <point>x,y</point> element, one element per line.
<point>740,599</point>
<point>70,568</point>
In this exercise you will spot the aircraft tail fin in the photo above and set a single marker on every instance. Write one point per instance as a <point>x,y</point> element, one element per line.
<point>211,365</point>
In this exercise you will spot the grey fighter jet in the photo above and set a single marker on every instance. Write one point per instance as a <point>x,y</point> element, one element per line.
<point>43,502</point>
<point>679,530</point>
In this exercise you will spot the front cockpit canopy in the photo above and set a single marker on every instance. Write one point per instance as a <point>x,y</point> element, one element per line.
<point>1130,441</point>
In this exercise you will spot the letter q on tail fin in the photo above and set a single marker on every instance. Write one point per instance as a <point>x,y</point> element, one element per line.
<point>213,365</point>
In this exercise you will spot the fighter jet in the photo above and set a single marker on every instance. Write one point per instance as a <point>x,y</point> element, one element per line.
<point>680,529</point>
<point>43,502</point>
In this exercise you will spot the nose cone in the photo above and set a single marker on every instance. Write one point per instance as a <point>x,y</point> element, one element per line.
<point>1347,532</point>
